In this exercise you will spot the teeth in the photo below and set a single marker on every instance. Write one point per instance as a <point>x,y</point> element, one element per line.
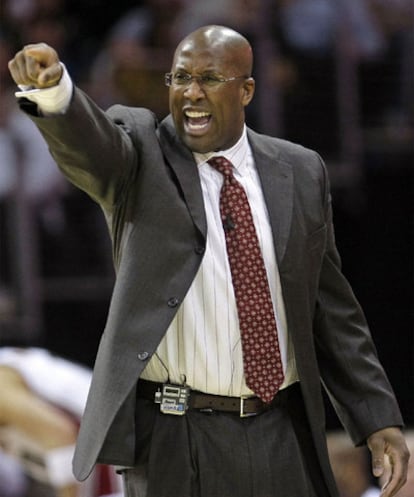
<point>195,114</point>
<point>198,126</point>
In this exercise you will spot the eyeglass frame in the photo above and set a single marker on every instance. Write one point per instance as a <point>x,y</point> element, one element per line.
<point>188,79</point>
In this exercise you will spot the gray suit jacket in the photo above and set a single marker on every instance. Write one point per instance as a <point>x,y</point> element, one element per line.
<point>147,184</point>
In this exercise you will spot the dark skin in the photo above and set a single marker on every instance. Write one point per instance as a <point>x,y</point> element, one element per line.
<point>212,119</point>
<point>222,52</point>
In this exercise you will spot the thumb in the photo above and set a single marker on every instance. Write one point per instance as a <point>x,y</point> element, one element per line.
<point>51,75</point>
<point>376,446</point>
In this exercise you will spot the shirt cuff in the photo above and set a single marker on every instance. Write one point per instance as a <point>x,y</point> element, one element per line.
<point>53,100</point>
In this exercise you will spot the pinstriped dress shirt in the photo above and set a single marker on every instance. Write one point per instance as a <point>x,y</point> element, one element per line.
<point>202,345</point>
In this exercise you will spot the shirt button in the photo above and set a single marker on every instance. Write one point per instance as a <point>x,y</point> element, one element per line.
<point>173,302</point>
<point>142,356</point>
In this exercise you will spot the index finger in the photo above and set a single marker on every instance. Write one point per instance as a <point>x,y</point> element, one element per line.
<point>42,53</point>
<point>33,68</point>
<point>376,445</point>
<point>18,69</point>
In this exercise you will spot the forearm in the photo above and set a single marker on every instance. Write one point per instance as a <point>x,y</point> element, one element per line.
<point>90,149</point>
<point>49,101</point>
<point>350,369</point>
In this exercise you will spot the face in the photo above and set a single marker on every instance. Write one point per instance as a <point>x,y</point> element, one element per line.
<point>209,118</point>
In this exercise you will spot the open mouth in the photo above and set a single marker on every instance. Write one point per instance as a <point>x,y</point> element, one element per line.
<point>197,122</point>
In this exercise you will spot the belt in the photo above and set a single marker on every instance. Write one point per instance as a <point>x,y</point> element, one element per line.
<point>243,406</point>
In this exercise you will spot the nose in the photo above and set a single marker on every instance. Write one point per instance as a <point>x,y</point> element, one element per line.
<point>194,89</point>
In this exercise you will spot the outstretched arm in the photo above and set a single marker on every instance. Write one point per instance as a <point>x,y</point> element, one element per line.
<point>92,151</point>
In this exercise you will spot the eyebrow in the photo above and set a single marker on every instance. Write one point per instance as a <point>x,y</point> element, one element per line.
<point>205,71</point>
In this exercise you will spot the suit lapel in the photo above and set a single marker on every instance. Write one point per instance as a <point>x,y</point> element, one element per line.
<point>181,161</point>
<point>276,177</point>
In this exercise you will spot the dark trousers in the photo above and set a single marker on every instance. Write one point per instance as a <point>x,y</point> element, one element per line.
<point>222,455</point>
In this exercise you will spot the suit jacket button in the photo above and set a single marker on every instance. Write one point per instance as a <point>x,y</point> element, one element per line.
<point>173,302</point>
<point>199,250</point>
<point>142,356</point>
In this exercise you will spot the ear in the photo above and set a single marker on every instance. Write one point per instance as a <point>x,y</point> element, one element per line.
<point>248,91</point>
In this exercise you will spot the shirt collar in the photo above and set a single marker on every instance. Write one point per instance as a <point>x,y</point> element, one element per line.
<point>236,154</point>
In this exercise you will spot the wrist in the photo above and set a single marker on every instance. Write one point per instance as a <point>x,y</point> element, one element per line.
<point>53,100</point>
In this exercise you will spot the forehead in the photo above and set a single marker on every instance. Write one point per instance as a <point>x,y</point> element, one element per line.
<point>202,58</point>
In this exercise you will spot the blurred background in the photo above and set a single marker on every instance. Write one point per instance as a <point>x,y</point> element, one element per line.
<point>334,75</point>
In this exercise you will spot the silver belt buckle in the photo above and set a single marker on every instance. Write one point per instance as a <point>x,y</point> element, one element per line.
<point>242,413</point>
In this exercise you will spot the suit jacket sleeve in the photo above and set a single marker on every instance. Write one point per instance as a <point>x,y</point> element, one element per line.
<point>93,151</point>
<point>347,358</point>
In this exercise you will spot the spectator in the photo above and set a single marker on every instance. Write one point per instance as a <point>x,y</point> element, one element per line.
<point>131,66</point>
<point>42,398</point>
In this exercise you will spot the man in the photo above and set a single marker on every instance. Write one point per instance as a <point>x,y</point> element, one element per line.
<point>178,336</point>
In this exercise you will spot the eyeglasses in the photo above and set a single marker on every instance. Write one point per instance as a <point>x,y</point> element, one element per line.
<point>205,81</point>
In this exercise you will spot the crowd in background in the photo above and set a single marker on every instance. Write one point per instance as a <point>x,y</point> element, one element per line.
<point>334,75</point>
<point>315,60</point>
<point>119,51</point>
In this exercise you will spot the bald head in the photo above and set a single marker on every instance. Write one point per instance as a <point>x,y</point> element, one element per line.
<point>211,85</point>
<point>224,42</point>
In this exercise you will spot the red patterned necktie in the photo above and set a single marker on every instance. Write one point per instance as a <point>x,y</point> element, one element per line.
<point>261,355</point>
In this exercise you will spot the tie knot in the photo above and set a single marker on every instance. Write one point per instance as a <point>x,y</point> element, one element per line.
<point>222,165</point>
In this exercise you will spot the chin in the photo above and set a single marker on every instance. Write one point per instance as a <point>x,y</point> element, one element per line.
<point>197,145</point>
